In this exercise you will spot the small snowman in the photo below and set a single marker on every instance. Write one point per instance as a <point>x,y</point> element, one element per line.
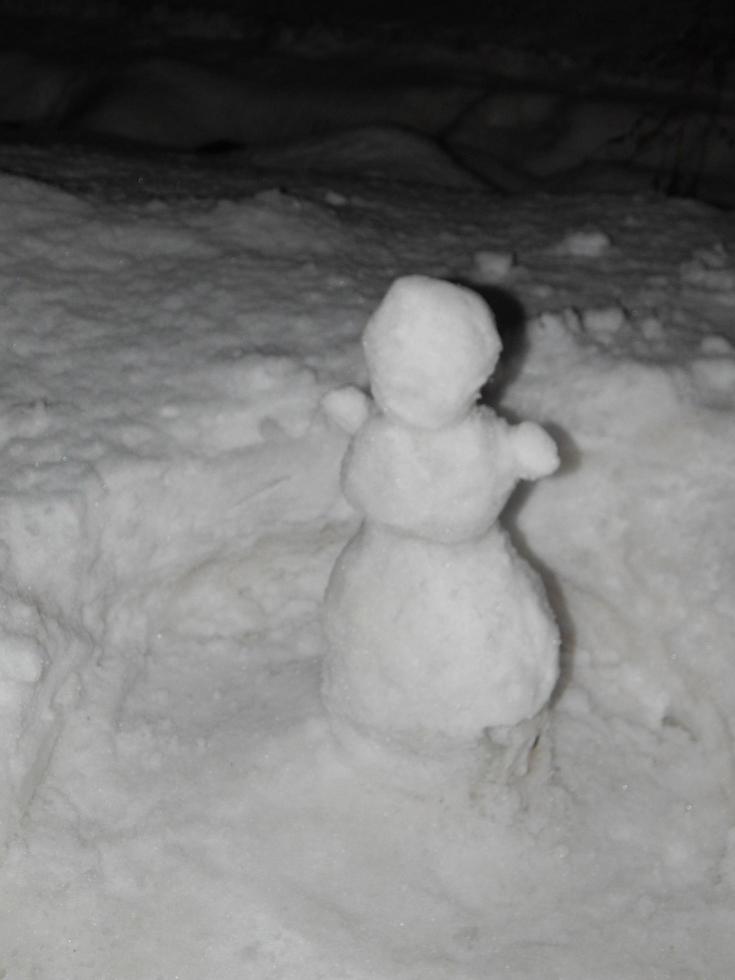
<point>438,634</point>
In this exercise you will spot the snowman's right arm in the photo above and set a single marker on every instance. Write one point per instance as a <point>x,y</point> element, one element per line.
<point>348,407</point>
<point>535,451</point>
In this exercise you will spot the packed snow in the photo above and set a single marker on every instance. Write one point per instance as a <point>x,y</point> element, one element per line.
<point>439,635</point>
<point>173,798</point>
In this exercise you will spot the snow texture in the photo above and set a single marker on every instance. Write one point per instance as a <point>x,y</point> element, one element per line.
<point>429,347</point>
<point>438,632</point>
<point>171,798</point>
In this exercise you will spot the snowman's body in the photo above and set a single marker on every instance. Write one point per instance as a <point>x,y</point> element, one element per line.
<point>437,630</point>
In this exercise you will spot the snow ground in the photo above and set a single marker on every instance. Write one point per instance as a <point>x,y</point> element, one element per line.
<point>173,804</point>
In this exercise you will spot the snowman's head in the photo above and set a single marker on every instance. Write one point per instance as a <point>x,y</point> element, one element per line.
<point>429,346</point>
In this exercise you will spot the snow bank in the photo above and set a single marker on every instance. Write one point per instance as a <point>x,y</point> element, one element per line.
<point>646,505</point>
<point>169,514</point>
<point>117,468</point>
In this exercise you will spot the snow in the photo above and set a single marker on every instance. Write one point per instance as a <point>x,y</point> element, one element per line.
<point>429,347</point>
<point>585,243</point>
<point>490,267</point>
<point>173,801</point>
<point>417,660</point>
<point>437,631</point>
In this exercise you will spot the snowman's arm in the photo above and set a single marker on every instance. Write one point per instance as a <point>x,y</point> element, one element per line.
<point>535,451</point>
<point>348,407</point>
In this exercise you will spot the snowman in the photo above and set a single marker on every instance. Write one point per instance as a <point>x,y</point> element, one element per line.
<point>438,634</point>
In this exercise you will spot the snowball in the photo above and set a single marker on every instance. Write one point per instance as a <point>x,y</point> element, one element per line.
<point>336,199</point>
<point>491,267</point>
<point>429,346</point>
<point>604,321</point>
<point>535,450</point>
<point>431,644</point>
<point>584,244</point>
<point>347,406</point>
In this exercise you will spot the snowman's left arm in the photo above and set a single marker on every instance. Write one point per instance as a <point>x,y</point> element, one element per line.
<point>535,451</point>
<point>349,407</point>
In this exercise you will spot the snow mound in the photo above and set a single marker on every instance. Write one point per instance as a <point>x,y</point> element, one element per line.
<point>172,800</point>
<point>504,131</point>
<point>109,457</point>
<point>374,151</point>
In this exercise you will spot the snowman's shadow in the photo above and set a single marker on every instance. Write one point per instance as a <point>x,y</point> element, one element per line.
<point>510,321</point>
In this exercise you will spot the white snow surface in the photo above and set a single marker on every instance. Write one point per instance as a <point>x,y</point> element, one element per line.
<point>429,348</point>
<point>172,800</point>
<point>515,118</point>
<point>437,631</point>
